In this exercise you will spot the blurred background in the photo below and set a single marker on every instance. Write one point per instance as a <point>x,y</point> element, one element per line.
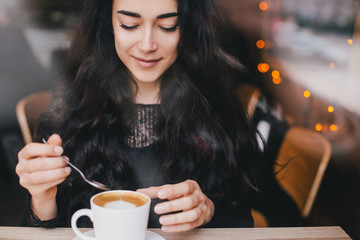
<point>304,57</point>
<point>34,37</point>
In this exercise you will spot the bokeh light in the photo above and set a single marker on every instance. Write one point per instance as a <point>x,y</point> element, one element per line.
<point>277,80</point>
<point>260,44</point>
<point>275,74</point>
<point>263,67</point>
<point>307,94</point>
<point>264,6</point>
<point>318,127</point>
<point>333,127</point>
<point>330,109</point>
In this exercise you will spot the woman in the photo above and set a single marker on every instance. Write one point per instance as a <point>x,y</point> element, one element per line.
<point>147,104</point>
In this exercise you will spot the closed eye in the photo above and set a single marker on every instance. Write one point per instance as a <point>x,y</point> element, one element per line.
<point>169,29</point>
<point>128,27</point>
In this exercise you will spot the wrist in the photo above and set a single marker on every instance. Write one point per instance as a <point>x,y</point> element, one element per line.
<point>44,209</point>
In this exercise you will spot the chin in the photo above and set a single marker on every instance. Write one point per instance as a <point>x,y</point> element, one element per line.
<point>146,78</point>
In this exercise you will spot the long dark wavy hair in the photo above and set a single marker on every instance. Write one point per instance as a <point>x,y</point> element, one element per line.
<point>206,133</point>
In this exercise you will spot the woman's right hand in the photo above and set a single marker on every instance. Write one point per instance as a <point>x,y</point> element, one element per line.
<point>40,170</point>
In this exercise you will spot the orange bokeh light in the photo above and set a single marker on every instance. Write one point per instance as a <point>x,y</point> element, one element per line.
<point>307,94</point>
<point>318,127</point>
<point>264,6</point>
<point>277,80</point>
<point>263,67</point>
<point>333,127</point>
<point>350,41</point>
<point>275,74</point>
<point>330,109</point>
<point>260,44</point>
<point>332,65</point>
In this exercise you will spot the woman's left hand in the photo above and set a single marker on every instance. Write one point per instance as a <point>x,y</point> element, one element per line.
<point>186,198</point>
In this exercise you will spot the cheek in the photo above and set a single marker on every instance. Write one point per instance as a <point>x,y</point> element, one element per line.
<point>123,43</point>
<point>171,45</point>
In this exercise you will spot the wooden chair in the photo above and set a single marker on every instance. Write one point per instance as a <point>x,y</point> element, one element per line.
<point>28,110</point>
<point>300,166</point>
<point>249,95</point>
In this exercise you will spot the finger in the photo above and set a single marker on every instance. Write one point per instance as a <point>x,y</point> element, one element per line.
<point>181,227</point>
<point>183,217</point>
<point>33,150</point>
<point>177,190</point>
<point>41,164</point>
<point>180,204</point>
<point>55,139</point>
<point>152,192</point>
<point>45,176</point>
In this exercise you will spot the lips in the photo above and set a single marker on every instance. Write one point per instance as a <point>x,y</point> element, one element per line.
<point>147,63</point>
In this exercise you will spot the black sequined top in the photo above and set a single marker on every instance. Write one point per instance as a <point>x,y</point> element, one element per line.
<point>143,132</point>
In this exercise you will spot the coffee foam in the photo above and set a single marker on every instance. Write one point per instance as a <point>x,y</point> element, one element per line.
<point>120,200</point>
<point>120,204</point>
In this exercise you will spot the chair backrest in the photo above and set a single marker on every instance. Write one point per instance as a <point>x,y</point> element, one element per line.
<point>249,96</point>
<point>28,110</point>
<point>300,166</point>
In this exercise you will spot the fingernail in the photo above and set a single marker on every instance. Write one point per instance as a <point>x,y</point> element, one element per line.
<point>67,170</point>
<point>164,220</point>
<point>159,209</point>
<point>58,150</point>
<point>162,194</point>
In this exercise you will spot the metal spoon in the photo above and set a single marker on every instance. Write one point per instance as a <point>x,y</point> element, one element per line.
<point>91,182</point>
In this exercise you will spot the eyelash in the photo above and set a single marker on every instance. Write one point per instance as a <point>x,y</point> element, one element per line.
<point>128,27</point>
<point>170,29</point>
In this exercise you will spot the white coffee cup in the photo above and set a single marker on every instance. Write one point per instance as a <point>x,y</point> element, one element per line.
<point>117,214</point>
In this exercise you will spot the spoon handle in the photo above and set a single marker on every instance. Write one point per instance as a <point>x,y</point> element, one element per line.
<point>92,183</point>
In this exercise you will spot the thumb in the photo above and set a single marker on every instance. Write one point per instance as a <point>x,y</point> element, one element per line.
<point>55,139</point>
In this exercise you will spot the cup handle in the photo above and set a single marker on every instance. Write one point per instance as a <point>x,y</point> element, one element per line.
<point>75,217</point>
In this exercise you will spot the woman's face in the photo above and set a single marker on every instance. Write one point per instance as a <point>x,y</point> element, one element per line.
<point>146,36</point>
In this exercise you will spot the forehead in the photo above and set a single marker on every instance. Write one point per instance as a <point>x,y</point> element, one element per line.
<point>146,7</point>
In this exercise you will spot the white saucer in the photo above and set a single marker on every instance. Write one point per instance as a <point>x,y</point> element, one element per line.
<point>149,235</point>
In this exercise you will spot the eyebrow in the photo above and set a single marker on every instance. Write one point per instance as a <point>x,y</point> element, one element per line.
<point>167,15</point>
<point>136,15</point>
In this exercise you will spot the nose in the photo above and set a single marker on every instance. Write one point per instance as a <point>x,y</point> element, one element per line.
<point>147,43</point>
